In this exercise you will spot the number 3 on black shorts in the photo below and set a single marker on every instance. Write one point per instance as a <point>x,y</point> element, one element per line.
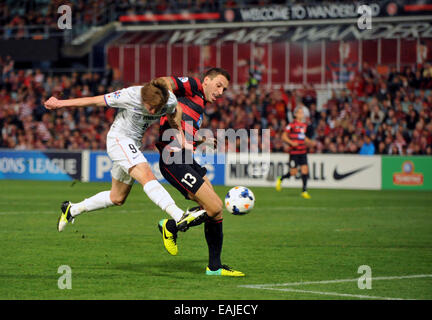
<point>189,180</point>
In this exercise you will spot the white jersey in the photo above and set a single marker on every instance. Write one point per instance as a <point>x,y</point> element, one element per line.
<point>133,119</point>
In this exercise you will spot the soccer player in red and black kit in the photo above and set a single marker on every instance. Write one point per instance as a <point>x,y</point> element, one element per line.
<point>188,176</point>
<point>295,136</point>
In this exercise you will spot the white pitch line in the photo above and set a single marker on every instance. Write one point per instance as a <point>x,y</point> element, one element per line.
<point>272,286</point>
<point>258,286</point>
<point>331,293</point>
<point>340,208</point>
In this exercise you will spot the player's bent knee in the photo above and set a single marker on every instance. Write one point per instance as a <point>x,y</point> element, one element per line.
<point>217,217</point>
<point>214,210</point>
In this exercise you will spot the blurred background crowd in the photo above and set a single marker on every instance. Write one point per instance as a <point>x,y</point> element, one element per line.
<point>375,114</point>
<point>24,18</point>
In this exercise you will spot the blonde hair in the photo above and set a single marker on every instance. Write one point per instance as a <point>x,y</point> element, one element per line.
<point>155,93</point>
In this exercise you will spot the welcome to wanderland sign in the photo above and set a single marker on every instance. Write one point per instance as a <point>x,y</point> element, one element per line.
<point>300,12</point>
<point>297,12</point>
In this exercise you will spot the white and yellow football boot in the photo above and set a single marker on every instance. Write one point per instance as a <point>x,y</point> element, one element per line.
<point>65,216</point>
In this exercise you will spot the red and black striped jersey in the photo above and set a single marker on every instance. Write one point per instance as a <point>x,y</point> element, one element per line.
<point>190,97</point>
<point>297,133</point>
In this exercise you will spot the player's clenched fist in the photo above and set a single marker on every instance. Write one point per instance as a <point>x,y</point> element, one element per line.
<point>53,103</point>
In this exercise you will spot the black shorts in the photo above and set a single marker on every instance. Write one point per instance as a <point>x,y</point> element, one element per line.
<point>184,177</point>
<point>296,160</point>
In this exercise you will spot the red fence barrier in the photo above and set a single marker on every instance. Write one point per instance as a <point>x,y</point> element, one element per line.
<point>278,63</point>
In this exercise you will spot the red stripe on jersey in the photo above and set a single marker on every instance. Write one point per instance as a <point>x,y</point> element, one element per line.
<point>297,152</point>
<point>163,120</point>
<point>200,88</point>
<point>189,111</point>
<point>187,87</point>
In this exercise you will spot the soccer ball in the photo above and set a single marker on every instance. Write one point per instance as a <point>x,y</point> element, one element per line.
<point>239,200</point>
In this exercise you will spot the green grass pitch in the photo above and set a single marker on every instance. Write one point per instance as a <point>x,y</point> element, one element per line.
<point>296,248</point>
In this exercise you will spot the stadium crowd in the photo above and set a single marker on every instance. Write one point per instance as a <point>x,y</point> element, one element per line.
<point>30,18</point>
<point>375,114</point>
<point>38,18</point>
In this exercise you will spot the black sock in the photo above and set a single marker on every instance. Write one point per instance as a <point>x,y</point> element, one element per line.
<point>214,237</point>
<point>286,176</point>
<point>171,225</point>
<point>304,178</point>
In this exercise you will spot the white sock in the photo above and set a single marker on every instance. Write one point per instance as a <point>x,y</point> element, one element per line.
<point>162,198</point>
<point>98,201</point>
<point>175,212</point>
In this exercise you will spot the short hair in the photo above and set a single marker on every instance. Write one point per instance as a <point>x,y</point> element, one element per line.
<point>297,109</point>
<point>213,72</point>
<point>155,93</point>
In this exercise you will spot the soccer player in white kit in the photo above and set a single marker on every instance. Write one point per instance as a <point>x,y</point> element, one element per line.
<point>139,107</point>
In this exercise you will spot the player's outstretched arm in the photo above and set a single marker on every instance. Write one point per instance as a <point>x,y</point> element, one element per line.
<point>54,103</point>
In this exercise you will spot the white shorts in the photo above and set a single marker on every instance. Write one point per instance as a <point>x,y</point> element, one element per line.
<point>124,153</point>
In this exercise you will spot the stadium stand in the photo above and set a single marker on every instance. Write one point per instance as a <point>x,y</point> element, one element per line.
<point>40,18</point>
<point>395,111</point>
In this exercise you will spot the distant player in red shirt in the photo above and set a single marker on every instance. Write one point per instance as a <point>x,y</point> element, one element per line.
<point>295,136</point>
